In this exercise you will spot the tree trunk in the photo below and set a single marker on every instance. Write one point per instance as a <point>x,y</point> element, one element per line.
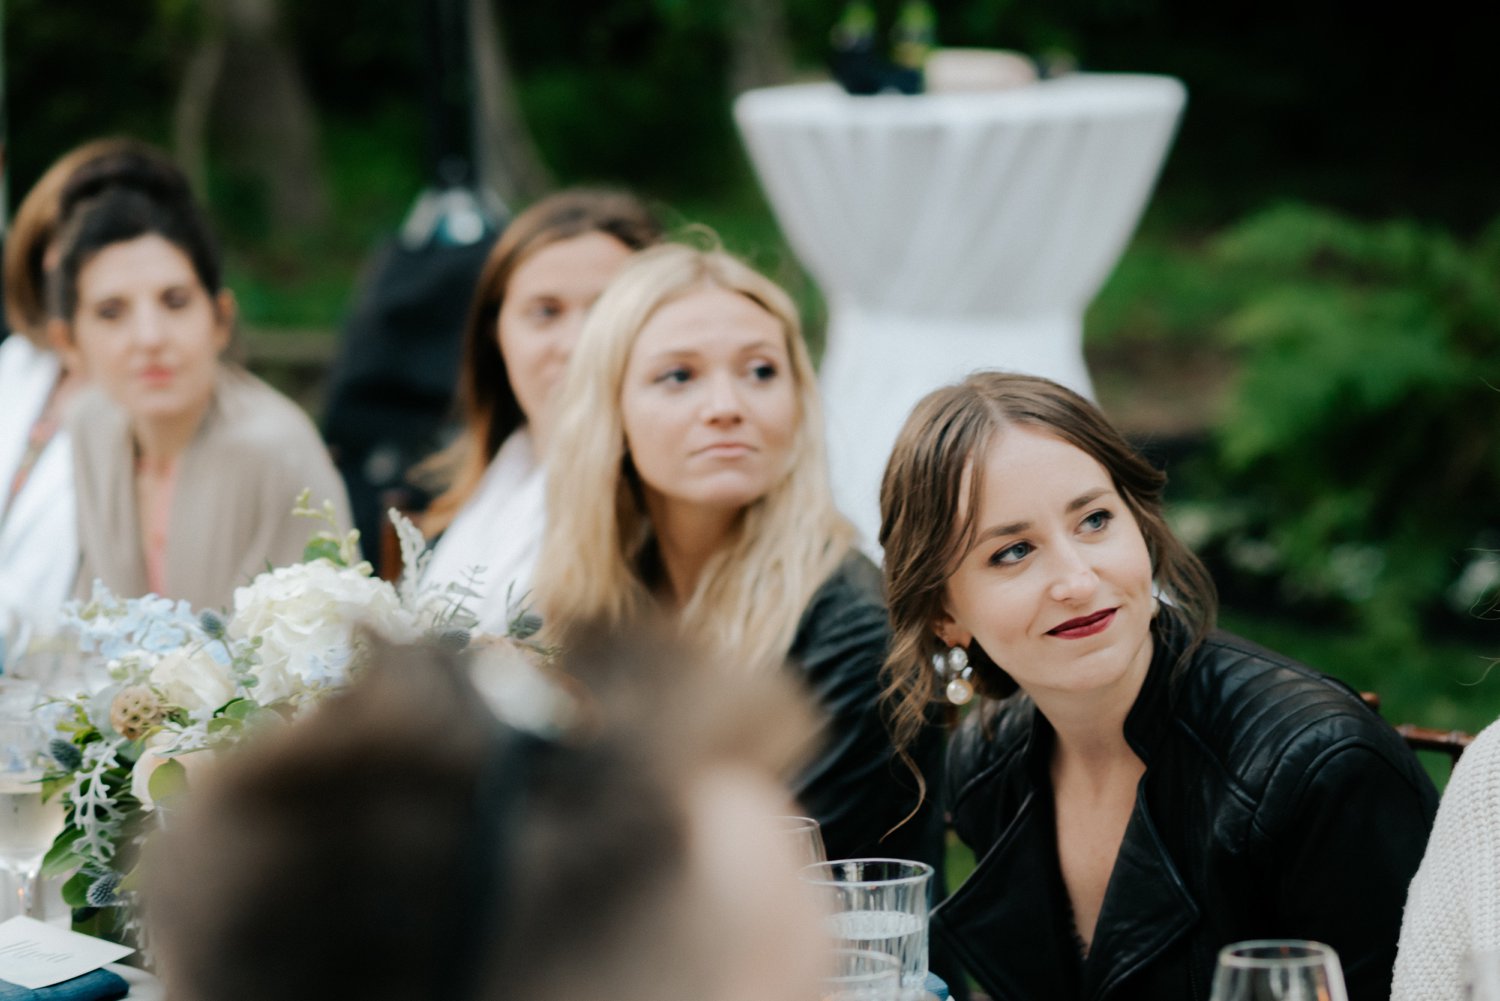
<point>759,53</point>
<point>243,93</point>
<point>508,161</point>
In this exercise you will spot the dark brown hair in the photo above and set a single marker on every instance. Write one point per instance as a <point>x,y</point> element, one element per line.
<point>489,408</point>
<point>364,851</point>
<point>928,521</point>
<point>39,217</point>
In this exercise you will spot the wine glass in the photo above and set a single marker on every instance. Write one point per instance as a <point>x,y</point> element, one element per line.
<point>15,635</point>
<point>1278,970</point>
<point>806,838</point>
<point>27,823</point>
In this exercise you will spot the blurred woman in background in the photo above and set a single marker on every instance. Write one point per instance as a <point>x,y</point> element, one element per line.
<point>38,539</point>
<point>695,481</point>
<point>551,263</point>
<point>187,468</point>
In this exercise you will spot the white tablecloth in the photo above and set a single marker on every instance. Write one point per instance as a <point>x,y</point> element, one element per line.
<point>952,232</point>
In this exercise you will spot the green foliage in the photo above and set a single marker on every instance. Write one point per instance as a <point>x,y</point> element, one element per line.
<point>168,780</point>
<point>1358,460</point>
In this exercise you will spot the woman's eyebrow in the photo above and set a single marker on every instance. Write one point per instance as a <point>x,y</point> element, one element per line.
<point>1018,527</point>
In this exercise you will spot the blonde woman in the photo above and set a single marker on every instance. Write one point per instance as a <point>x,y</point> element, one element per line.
<point>692,477</point>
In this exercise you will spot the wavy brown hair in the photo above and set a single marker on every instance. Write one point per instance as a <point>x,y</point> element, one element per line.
<point>929,520</point>
<point>488,404</point>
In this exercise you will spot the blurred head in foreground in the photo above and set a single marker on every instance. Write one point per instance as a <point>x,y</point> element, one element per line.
<point>402,842</point>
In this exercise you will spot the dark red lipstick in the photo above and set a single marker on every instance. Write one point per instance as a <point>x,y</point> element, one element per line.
<point>1084,625</point>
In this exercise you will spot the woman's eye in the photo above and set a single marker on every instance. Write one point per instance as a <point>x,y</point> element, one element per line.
<point>1011,554</point>
<point>544,311</point>
<point>674,376</point>
<point>1097,521</point>
<point>110,310</point>
<point>177,298</point>
<point>763,371</point>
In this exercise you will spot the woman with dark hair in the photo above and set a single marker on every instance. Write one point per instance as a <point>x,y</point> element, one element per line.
<point>187,468</point>
<point>38,540</point>
<point>1141,790</point>
<point>544,274</point>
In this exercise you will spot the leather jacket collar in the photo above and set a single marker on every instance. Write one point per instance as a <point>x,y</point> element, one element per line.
<point>1147,906</point>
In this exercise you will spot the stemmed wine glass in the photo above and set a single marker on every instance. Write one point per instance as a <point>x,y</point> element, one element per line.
<point>1278,970</point>
<point>806,838</point>
<point>15,635</point>
<point>27,823</point>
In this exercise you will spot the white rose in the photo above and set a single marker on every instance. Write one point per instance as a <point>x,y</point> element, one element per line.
<point>192,679</point>
<point>305,615</point>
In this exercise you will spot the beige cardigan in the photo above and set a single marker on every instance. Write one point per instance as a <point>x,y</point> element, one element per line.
<point>231,515</point>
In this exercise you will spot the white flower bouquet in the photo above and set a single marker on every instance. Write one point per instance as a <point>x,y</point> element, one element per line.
<point>186,685</point>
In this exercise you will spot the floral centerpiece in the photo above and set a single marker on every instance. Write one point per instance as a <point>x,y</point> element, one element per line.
<point>185,685</point>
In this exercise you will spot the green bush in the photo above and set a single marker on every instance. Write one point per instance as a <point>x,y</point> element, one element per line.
<point>1359,460</point>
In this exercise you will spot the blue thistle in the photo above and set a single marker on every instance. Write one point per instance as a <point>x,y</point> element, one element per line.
<point>104,891</point>
<point>212,623</point>
<point>65,754</point>
<point>525,625</point>
<point>453,639</point>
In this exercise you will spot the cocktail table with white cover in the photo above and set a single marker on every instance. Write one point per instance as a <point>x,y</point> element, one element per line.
<point>952,232</point>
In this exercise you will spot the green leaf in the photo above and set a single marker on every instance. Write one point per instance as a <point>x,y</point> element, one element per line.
<point>131,881</point>
<point>240,709</point>
<point>60,858</point>
<point>322,549</point>
<point>54,784</point>
<point>75,891</point>
<point>168,780</point>
<point>222,725</point>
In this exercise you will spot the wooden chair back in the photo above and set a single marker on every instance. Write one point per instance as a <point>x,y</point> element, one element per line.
<point>1451,743</point>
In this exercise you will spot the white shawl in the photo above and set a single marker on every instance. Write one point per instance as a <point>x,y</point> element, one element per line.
<point>38,536</point>
<point>498,534</point>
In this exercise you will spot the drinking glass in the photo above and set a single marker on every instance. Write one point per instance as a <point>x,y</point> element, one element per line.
<point>27,824</point>
<point>805,837</point>
<point>1278,970</point>
<point>880,905</point>
<point>15,635</point>
<point>862,975</point>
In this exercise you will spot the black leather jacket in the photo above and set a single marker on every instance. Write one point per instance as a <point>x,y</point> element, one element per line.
<point>1275,804</point>
<point>857,788</point>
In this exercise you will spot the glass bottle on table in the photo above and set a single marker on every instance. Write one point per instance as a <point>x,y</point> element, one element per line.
<point>853,60</point>
<point>913,38</point>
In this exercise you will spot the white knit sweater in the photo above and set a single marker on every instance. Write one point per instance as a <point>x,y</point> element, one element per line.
<point>1453,906</point>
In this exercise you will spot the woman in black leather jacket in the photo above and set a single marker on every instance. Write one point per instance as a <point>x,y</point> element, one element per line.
<point>1140,789</point>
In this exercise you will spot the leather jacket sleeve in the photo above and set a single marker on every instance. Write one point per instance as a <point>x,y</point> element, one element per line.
<point>859,790</point>
<point>1340,856</point>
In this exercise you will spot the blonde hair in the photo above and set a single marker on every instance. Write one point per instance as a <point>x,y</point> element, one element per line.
<point>751,595</point>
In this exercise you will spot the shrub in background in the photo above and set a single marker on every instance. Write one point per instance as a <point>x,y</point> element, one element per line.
<point>1359,460</point>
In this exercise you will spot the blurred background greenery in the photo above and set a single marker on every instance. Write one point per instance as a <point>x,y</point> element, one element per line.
<point>1306,328</point>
